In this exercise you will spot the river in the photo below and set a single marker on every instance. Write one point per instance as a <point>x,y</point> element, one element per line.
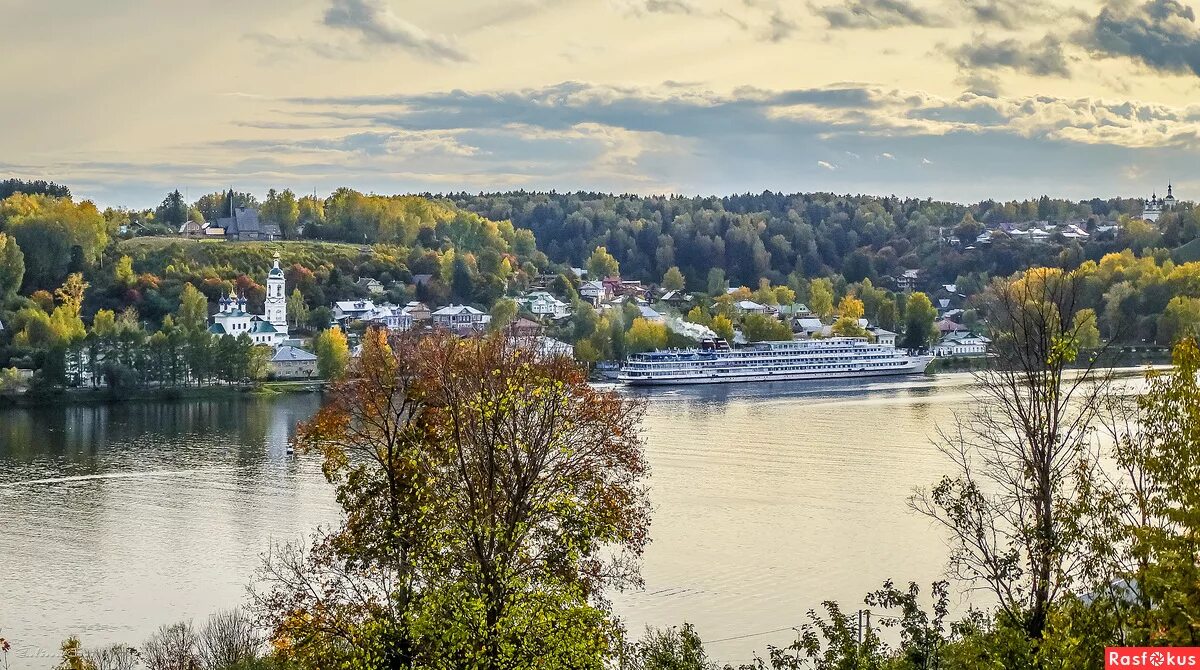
<point>767,500</point>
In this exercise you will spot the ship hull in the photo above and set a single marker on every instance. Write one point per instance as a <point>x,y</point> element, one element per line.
<point>915,367</point>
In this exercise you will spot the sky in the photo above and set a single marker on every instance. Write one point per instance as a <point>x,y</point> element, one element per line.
<point>124,100</point>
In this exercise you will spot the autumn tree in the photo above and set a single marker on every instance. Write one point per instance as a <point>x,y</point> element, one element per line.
<point>601,264</point>
<point>645,335</point>
<point>850,310</point>
<point>297,308</point>
<point>673,279</point>
<point>503,313</point>
<point>333,353</point>
<point>12,268</point>
<point>820,297</point>
<point>491,498</point>
<point>763,328</point>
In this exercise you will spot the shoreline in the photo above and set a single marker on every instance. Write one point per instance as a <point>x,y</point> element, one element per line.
<point>103,396</point>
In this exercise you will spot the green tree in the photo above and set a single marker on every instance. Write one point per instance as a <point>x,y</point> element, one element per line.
<point>716,281</point>
<point>1180,319</point>
<point>919,329</point>
<point>645,335</point>
<point>193,310</point>
<point>56,236</point>
<point>173,211</point>
<point>504,312</point>
<point>1087,334</point>
<point>297,308</point>
<point>820,297</point>
<point>723,327</point>
<point>601,264</point>
<point>763,328</point>
<point>283,210</point>
<point>673,279</point>
<point>123,272</point>
<point>12,268</point>
<point>333,353</point>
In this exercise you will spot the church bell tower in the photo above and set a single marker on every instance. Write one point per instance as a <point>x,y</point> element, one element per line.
<point>276,302</point>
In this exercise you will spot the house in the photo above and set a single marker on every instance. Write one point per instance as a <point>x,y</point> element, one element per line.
<point>677,299</point>
<point>797,311</point>
<point>390,316</point>
<point>542,304</point>
<point>548,346</point>
<point>750,307</point>
<point>293,363</point>
<point>460,317</point>
<point>345,311</point>
<point>595,292</point>
<point>947,326</point>
<point>883,336</point>
<point>192,229</point>
<point>422,279</point>
<point>244,224</point>
<point>808,326</point>
<point>961,344</point>
<point>523,327</point>
<point>419,312</point>
<point>650,315</point>
<point>908,280</point>
<point>370,285</point>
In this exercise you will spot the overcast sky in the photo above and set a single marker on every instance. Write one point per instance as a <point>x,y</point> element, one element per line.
<point>958,99</point>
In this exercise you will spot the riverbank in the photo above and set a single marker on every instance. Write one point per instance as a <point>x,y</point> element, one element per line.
<point>105,396</point>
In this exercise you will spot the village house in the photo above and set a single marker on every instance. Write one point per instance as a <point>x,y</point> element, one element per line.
<point>418,311</point>
<point>961,344</point>
<point>244,224</point>
<point>348,311</point>
<point>370,285</point>
<point>293,363</point>
<point>542,304</point>
<point>460,318</point>
<point>595,292</point>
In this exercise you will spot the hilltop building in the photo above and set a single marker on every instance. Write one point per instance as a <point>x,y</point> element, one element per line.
<point>1154,207</point>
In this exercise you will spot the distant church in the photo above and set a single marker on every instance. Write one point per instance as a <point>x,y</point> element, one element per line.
<point>1154,207</point>
<point>270,328</point>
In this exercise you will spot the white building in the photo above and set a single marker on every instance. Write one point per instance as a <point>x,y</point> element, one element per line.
<point>345,311</point>
<point>961,344</point>
<point>460,317</point>
<point>269,328</point>
<point>595,292</point>
<point>541,303</point>
<point>751,307</point>
<point>883,336</point>
<point>1154,207</point>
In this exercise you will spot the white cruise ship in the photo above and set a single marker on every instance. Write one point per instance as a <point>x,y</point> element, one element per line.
<point>810,360</point>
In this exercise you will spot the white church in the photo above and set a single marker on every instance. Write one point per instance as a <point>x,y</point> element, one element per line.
<point>1155,206</point>
<point>270,328</point>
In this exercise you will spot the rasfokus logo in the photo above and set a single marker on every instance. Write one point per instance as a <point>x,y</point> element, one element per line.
<point>1151,657</point>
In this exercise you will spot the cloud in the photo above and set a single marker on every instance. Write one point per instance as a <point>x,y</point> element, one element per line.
<point>1043,58</point>
<point>641,7</point>
<point>1160,34</point>
<point>887,156</point>
<point>1009,14</point>
<point>875,14</point>
<point>980,83</point>
<point>826,165</point>
<point>374,23</point>
<point>926,161</point>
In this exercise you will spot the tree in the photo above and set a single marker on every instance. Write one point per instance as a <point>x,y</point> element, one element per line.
<point>123,272</point>
<point>12,268</point>
<point>645,335</point>
<point>173,211</point>
<point>723,327</point>
<point>763,328</point>
<point>489,492</point>
<point>820,297</point>
<point>601,264</point>
<point>673,279</point>
<point>1011,508</point>
<point>56,236</point>
<point>193,310</point>
<point>297,308</point>
<point>1087,334</point>
<point>716,281</point>
<point>504,312</point>
<point>919,330</point>
<point>1180,319</point>
<point>333,353</point>
<point>283,210</point>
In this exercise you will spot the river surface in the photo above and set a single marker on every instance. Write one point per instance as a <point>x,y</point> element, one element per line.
<point>768,499</point>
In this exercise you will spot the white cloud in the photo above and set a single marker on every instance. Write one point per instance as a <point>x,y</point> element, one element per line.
<point>826,165</point>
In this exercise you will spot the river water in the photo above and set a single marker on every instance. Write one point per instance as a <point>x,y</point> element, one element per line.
<point>768,499</point>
